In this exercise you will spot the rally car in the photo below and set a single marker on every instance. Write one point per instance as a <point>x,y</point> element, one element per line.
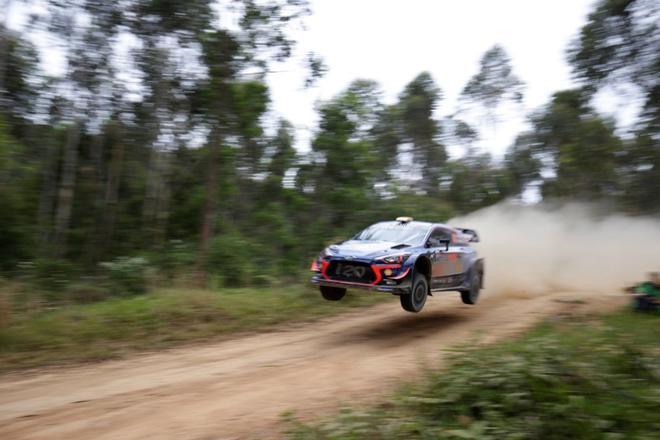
<point>411,259</point>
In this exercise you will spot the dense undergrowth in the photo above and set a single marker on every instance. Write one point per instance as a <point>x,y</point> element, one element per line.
<point>575,378</point>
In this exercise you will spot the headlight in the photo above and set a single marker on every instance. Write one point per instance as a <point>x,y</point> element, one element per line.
<point>316,263</point>
<point>394,259</point>
<point>324,253</point>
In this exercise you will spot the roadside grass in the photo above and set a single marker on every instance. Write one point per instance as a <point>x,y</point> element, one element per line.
<point>33,335</point>
<point>586,378</point>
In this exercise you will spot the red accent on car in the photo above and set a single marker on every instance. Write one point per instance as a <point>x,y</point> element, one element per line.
<point>377,268</point>
<point>315,266</point>
<point>324,268</point>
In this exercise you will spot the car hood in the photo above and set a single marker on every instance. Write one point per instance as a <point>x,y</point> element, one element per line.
<point>365,248</point>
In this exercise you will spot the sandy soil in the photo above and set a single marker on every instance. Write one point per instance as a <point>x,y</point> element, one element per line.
<point>239,388</point>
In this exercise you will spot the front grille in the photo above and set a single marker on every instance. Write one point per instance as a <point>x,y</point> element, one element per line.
<point>351,271</point>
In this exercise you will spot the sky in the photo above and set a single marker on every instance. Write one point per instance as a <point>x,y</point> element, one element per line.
<point>392,41</point>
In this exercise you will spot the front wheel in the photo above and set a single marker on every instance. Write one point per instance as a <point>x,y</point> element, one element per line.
<point>415,300</point>
<point>332,293</point>
<point>472,295</point>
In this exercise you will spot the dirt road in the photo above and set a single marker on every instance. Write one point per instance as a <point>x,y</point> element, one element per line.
<point>239,388</point>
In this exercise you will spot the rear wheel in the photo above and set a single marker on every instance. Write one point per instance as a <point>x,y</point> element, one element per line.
<point>332,293</point>
<point>472,295</point>
<point>415,300</point>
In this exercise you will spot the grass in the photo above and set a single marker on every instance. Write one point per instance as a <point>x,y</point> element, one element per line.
<point>32,335</point>
<point>593,379</point>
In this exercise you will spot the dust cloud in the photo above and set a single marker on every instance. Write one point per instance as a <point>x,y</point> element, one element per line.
<point>539,249</point>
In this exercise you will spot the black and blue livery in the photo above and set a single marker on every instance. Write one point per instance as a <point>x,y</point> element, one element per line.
<point>411,259</point>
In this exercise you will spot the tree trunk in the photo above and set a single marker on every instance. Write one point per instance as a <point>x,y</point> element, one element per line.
<point>47,196</point>
<point>112,192</point>
<point>66,191</point>
<point>162,205</point>
<point>210,208</point>
<point>95,243</point>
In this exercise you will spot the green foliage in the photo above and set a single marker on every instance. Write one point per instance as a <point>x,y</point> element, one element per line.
<point>87,291</point>
<point>48,275</point>
<point>417,105</point>
<point>132,185</point>
<point>570,134</point>
<point>477,182</point>
<point>546,385</point>
<point>232,258</point>
<point>495,81</point>
<point>126,276</point>
<point>174,259</point>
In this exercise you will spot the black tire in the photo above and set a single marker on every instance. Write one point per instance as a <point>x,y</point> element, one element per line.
<point>332,293</point>
<point>415,300</point>
<point>472,295</point>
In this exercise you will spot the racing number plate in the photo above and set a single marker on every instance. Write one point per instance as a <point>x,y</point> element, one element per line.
<point>350,271</point>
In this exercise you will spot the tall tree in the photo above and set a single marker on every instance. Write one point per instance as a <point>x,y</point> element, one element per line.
<point>494,84</point>
<point>418,103</point>
<point>619,46</point>
<point>235,109</point>
<point>579,146</point>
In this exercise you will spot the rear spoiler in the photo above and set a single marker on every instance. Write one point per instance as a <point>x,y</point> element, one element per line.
<point>469,235</point>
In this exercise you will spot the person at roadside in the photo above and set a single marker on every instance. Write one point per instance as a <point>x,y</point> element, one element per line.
<point>647,294</point>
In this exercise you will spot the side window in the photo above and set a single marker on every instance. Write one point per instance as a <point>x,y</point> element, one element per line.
<point>439,237</point>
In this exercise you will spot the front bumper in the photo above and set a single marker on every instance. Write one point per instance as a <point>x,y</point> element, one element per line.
<point>398,284</point>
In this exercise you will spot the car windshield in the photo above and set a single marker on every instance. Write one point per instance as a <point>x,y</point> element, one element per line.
<point>405,233</point>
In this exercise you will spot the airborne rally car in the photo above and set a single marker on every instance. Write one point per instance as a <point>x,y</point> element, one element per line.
<point>407,258</point>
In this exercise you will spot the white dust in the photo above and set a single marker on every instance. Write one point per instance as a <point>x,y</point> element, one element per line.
<point>537,249</point>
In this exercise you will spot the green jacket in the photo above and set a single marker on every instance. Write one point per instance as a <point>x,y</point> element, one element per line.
<point>648,288</point>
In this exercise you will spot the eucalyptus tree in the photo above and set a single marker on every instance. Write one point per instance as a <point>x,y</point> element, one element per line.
<point>619,48</point>
<point>578,146</point>
<point>494,84</point>
<point>230,106</point>
<point>620,45</point>
<point>417,105</point>
<point>86,31</point>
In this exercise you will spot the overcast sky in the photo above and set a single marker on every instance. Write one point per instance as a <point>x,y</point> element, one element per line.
<point>392,41</point>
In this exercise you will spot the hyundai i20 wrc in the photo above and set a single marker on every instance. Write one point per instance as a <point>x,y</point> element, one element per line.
<point>411,259</point>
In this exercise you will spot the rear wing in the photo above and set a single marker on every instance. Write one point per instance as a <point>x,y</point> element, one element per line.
<point>469,235</point>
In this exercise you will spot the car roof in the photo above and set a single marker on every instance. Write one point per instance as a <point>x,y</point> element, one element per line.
<point>417,223</point>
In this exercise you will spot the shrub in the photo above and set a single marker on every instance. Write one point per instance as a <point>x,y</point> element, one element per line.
<point>175,257</point>
<point>5,310</point>
<point>231,258</point>
<point>86,291</point>
<point>50,276</point>
<point>126,276</point>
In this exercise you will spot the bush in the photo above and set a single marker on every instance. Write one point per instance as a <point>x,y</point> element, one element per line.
<point>174,258</point>
<point>86,292</point>
<point>126,276</point>
<point>231,258</point>
<point>5,310</point>
<point>576,381</point>
<point>48,275</point>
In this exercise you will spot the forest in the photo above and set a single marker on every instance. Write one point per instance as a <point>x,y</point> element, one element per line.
<point>162,155</point>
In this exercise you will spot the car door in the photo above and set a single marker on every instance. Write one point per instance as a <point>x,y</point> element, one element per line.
<point>439,244</point>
